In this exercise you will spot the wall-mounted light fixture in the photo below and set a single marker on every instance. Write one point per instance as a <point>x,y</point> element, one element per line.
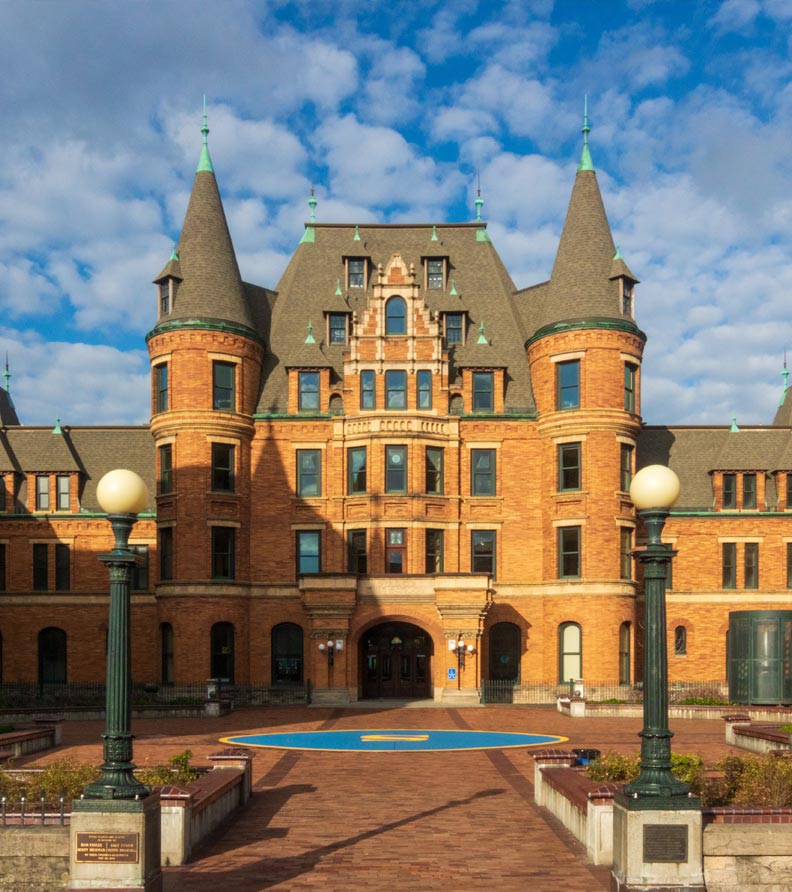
<point>330,649</point>
<point>457,646</point>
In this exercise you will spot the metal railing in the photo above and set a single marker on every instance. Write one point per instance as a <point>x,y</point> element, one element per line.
<point>92,696</point>
<point>546,692</point>
<point>31,812</point>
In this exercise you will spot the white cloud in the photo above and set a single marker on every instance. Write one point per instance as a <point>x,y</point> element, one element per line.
<point>735,15</point>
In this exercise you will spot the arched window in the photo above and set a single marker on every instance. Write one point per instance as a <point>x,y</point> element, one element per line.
<point>395,316</point>
<point>52,656</point>
<point>336,406</point>
<point>287,654</point>
<point>624,653</point>
<point>504,652</point>
<point>456,404</point>
<point>680,641</point>
<point>570,652</point>
<point>222,652</point>
<point>166,653</point>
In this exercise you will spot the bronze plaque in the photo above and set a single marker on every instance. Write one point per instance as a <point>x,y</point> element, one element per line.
<point>117,848</point>
<point>665,842</point>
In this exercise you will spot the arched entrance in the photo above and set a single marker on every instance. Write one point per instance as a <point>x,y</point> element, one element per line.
<point>396,661</point>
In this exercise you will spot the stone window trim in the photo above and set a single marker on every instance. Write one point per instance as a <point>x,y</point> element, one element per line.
<point>210,438</point>
<point>738,539</point>
<point>53,540</point>
<point>569,522</point>
<point>231,358</point>
<point>576,438</point>
<point>632,358</point>
<point>568,357</point>
<point>210,522</point>
<point>309,527</point>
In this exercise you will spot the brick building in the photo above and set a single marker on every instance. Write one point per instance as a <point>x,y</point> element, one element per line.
<point>393,454</point>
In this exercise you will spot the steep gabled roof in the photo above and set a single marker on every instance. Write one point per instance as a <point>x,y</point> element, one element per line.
<point>783,415</point>
<point>8,415</point>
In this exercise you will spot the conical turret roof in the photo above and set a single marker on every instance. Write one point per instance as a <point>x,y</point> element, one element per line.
<point>211,287</point>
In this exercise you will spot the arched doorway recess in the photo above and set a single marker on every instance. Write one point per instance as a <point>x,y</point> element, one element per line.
<point>396,662</point>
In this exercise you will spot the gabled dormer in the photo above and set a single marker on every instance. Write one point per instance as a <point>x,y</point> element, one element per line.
<point>620,273</point>
<point>167,283</point>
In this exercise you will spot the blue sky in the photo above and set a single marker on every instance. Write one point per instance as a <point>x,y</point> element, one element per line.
<point>392,109</point>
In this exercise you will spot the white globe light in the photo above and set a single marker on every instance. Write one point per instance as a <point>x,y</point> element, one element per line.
<point>654,486</point>
<point>122,492</point>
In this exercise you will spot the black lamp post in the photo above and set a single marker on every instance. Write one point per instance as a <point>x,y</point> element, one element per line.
<point>654,490</point>
<point>122,494</point>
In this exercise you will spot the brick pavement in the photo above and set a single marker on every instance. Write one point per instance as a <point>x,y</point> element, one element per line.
<point>406,822</point>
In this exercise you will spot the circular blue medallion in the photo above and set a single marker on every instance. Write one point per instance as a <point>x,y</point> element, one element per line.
<point>391,740</point>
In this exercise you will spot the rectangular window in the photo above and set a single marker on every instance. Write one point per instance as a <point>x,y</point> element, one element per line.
<point>140,572</point>
<point>40,568</point>
<point>396,469</point>
<point>223,386</point>
<point>357,561</point>
<point>729,490</point>
<point>434,272</point>
<point>2,567</point>
<point>395,551</point>
<point>630,377</point>
<point>164,292</point>
<point>395,390</point>
<point>309,551</point>
<point>482,551</point>
<point>424,389</point>
<point>338,328</point>
<point>789,564</point>
<point>62,493</point>
<point>569,554</point>
<point>357,272</point>
<point>749,492</point>
<point>483,392</point>
<point>42,494</point>
<point>166,468</point>
<point>434,470</point>
<point>308,386</point>
<point>625,557</point>
<point>729,551</point>
<point>627,298</point>
<point>223,552</point>
<point>569,466</point>
<point>309,473</point>
<point>568,384</point>
<point>62,568</point>
<point>166,552</point>
<point>788,503</point>
<point>368,395</point>
<point>434,551</point>
<point>161,386</point>
<point>454,328</point>
<point>482,472</point>
<point>625,466</point>
<point>222,467</point>
<point>751,558</point>
<point>356,470</point>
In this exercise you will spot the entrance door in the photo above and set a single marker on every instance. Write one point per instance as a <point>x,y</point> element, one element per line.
<point>396,662</point>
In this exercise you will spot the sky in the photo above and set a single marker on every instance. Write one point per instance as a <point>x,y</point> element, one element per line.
<point>393,111</point>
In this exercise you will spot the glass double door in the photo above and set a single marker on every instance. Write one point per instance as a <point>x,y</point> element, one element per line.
<point>396,662</point>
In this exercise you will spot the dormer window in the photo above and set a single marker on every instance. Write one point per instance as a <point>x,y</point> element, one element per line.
<point>729,490</point>
<point>165,297</point>
<point>455,328</point>
<point>627,297</point>
<point>337,328</point>
<point>435,272</point>
<point>356,272</point>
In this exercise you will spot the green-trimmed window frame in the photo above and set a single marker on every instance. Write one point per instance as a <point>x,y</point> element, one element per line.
<point>308,545</point>
<point>433,551</point>
<point>570,467</point>
<point>396,478</point>
<point>729,490</point>
<point>568,385</point>
<point>165,453</point>
<point>749,492</point>
<point>729,565</point>
<point>483,472</point>
<point>223,386</point>
<point>570,552</point>
<point>368,391</point>
<point>161,392</point>
<point>396,389</point>
<point>625,553</point>
<point>308,391</point>
<point>165,537</point>
<point>630,384</point>
<point>223,455</point>
<point>626,453</point>
<point>434,470</point>
<point>483,392</point>
<point>751,565</point>
<point>424,389</point>
<point>223,552</point>
<point>309,473</point>
<point>483,551</point>
<point>357,460</point>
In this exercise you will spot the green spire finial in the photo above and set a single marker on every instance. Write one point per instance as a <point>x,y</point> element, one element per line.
<point>7,375</point>
<point>339,292</point>
<point>434,232</point>
<point>357,234</point>
<point>618,254</point>
<point>482,339</point>
<point>585,158</point>
<point>784,375</point>
<point>57,428</point>
<point>174,255</point>
<point>309,338</point>
<point>734,429</point>
<point>312,205</point>
<point>453,290</point>
<point>205,162</point>
<point>479,199</point>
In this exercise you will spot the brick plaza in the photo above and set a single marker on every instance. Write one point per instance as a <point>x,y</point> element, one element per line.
<point>406,822</point>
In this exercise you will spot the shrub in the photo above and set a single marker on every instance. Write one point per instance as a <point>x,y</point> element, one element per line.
<point>697,697</point>
<point>613,768</point>
<point>63,777</point>
<point>178,771</point>
<point>7,729</point>
<point>787,729</point>
<point>764,783</point>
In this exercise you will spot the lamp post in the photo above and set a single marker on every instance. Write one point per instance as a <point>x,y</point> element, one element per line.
<point>654,490</point>
<point>458,647</point>
<point>122,494</point>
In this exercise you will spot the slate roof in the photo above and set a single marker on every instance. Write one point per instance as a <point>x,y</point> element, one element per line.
<point>211,287</point>
<point>90,451</point>
<point>8,415</point>
<point>783,416</point>
<point>485,291</point>
<point>694,453</point>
